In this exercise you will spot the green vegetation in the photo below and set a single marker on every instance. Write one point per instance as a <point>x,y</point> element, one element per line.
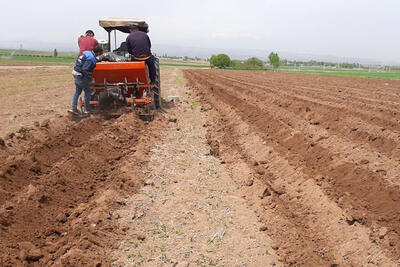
<point>184,62</point>
<point>255,62</point>
<point>221,61</point>
<point>314,67</point>
<point>313,63</point>
<point>35,59</point>
<point>27,56</point>
<point>160,228</point>
<point>249,64</point>
<point>274,60</point>
<point>206,261</point>
<point>183,65</point>
<point>194,104</point>
<point>340,72</point>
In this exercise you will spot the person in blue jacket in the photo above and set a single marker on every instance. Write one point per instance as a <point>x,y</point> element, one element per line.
<point>82,73</point>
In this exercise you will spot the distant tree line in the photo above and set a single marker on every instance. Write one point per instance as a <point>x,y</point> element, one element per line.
<point>285,62</point>
<point>251,63</point>
<point>223,61</point>
<point>274,62</point>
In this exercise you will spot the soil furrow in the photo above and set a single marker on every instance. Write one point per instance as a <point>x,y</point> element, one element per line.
<point>33,152</point>
<point>333,120</point>
<point>316,129</point>
<point>335,93</point>
<point>365,114</point>
<point>67,206</point>
<point>306,215</point>
<point>381,89</point>
<point>363,194</point>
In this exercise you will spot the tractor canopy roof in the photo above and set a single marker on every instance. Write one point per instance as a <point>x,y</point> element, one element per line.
<point>123,24</point>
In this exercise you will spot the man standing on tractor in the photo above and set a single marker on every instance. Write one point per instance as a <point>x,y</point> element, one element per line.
<point>82,73</point>
<point>139,46</point>
<point>87,42</point>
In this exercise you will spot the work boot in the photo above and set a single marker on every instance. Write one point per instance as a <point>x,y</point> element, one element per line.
<point>86,113</point>
<point>74,111</point>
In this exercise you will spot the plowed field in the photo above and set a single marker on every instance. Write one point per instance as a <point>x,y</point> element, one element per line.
<point>320,156</point>
<point>60,184</point>
<point>269,169</point>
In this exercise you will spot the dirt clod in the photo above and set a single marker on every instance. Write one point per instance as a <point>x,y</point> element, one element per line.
<point>140,236</point>
<point>36,168</point>
<point>62,218</point>
<point>149,182</point>
<point>266,193</point>
<point>249,181</point>
<point>44,199</point>
<point>214,148</point>
<point>29,252</point>
<point>45,123</point>
<point>382,232</point>
<point>260,170</point>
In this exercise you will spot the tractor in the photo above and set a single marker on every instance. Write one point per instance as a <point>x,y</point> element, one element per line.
<point>123,82</point>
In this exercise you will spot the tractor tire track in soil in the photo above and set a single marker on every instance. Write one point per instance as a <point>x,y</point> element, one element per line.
<point>320,155</point>
<point>61,183</point>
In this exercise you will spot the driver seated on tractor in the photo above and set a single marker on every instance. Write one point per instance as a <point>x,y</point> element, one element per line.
<point>139,46</point>
<point>82,74</point>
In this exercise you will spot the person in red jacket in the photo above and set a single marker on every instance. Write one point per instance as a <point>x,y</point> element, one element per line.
<point>87,42</point>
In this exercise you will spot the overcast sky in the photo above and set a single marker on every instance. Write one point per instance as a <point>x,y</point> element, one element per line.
<point>348,28</point>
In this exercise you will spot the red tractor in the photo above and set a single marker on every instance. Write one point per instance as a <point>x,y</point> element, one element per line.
<point>122,82</point>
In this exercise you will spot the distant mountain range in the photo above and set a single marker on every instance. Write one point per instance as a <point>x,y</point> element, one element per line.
<point>176,50</point>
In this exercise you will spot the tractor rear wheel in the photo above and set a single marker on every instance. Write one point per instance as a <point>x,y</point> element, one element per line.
<point>157,89</point>
<point>105,100</point>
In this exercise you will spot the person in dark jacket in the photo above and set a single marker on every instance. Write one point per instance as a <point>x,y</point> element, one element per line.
<point>139,46</point>
<point>82,73</point>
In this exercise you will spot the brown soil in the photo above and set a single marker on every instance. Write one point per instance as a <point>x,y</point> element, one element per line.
<point>191,211</point>
<point>325,153</point>
<point>60,184</point>
<point>30,93</point>
<point>269,169</point>
<point>60,181</point>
